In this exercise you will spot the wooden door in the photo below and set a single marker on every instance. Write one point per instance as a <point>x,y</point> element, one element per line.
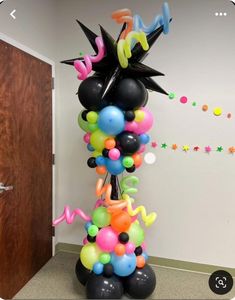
<point>25,163</point>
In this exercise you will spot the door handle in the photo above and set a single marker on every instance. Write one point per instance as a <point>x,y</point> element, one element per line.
<point>4,188</point>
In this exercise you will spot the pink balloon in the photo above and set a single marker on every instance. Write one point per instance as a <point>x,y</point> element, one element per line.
<point>130,248</point>
<point>131,126</point>
<point>85,241</point>
<point>142,149</point>
<point>114,154</point>
<point>86,138</point>
<point>143,246</point>
<point>147,123</point>
<point>107,239</point>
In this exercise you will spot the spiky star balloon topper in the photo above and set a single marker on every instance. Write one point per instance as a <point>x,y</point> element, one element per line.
<point>115,60</point>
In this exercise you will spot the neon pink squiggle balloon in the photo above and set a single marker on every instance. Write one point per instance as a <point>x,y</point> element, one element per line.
<point>85,68</point>
<point>70,216</point>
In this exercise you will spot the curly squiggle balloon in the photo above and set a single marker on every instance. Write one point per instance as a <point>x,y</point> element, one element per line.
<point>70,216</point>
<point>124,46</point>
<point>158,21</point>
<point>124,16</point>
<point>125,184</point>
<point>85,68</point>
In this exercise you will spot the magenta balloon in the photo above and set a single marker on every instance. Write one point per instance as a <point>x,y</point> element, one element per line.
<point>130,248</point>
<point>107,239</point>
<point>131,126</point>
<point>147,123</point>
<point>114,154</point>
<point>142,149</point>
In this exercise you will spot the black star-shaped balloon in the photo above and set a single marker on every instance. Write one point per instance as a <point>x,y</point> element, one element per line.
<point>110,68</point>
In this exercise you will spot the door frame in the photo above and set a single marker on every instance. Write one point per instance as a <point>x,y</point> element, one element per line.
<point>34,53</point>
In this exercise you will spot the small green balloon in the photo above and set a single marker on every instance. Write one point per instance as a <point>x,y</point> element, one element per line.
<point>92,117</point>
<point>105,258</point>
<point>92,127</point>
<point>82,123</point>
<point>136,234</point>
<point>96,154</point>
<point>128,161</point>
<point>93,230</point>
<point>97,140</point>
<point>100,217</point>
<point>171,96</point>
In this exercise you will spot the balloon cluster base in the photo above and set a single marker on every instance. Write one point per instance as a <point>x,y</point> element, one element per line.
<point>139,285</point>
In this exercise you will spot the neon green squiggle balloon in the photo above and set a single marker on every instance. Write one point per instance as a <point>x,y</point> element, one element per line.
<point>124,46</point>
<point>128,184</point>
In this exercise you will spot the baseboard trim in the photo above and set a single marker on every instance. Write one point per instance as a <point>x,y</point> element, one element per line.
<point>157,261</point>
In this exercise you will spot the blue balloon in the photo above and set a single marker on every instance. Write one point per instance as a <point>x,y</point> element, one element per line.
<point>100,161</point>
<point>98,268</point>
<point>115,167</point>
<point>123,265</point>
<point>145,255</point>
<point>87,225</point>
<point>90,148</point>
<point>144,138</point>
<point>111,120</point>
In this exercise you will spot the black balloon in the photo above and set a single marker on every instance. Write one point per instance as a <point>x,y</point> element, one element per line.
<point>105,152</point>
<point>108,270</point>
<point>91,239</point>
<point>82,273</point>
<point>129,115</point>
<point>91,162</point>
<point>138,250</point>
<point>101,287</point>
<point>130,94</point>
<point>90,92</point>
<point>123,237</point>
<point>128,142</point>
<point>84,114</point>
<point>131,169</point>
<point>141,283</point>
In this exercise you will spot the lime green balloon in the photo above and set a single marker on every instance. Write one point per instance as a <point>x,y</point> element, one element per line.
<point>128,161</point>
<point>105,258</point>
<point>92,117</point>
<point>136,234</point>
<point>92,127</point>
<point>93,230</point>
<point>96,154</point>
<point>100,217</point>
<point>97,139</point>
<point>90,255</point>
<point>83,124</point>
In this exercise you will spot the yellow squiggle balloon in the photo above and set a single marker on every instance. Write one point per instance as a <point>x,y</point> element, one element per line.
<point>148,219</point>
<point>124,46</point>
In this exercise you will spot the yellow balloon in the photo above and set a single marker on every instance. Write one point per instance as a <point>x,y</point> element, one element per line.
<point>90,255</point>
<point>97,140</point>
<point>139,115</point>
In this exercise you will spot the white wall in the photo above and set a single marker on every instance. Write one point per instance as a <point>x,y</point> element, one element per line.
<point>192,193</point>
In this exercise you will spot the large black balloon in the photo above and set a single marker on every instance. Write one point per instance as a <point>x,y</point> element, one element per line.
<point>129,94</point>
<point>90,92</point>
<point>128,142</point>
<point>141,283</point>
<point>101,287</point>
<point>82,272</point>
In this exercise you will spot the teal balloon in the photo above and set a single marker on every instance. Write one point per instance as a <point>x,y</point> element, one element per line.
<point>115,167</point>
<point>111,120</point>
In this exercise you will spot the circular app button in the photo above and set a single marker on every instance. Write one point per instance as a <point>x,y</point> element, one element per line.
<point>221,282</point>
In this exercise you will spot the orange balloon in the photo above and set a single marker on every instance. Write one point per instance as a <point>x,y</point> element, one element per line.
<point>140,261</point>
<point>101,170</point>
<point>120,249</point>
<point>110,143</point>
<point>120,221</point>
<point>137,159</point>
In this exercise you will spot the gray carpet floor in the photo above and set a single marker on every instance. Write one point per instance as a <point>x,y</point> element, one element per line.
<point>57,280</point>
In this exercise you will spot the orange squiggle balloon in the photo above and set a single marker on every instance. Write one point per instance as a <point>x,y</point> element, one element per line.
<point>113,205</point>
<point>124,16</point>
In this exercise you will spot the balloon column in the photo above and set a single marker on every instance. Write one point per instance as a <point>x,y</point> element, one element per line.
<point>116,122</point>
